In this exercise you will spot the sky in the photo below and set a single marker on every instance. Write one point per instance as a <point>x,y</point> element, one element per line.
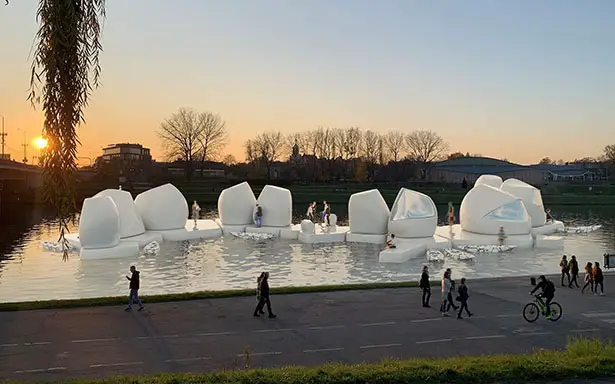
<point>519,79</point>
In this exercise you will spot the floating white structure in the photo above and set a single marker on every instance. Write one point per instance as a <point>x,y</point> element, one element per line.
<point>236,208</point>
<point>531,197</point>
<point>368,216</point>
<point>414,215</point>
<point>401,254</point>
<point>490,180</point>
<point>99,231</point>
<point>277,206</point>
<point>549,242</point>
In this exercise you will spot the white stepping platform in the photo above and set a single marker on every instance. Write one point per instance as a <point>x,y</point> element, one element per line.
<point>548,229</point>
<point>365,238</point>
<point>460,237</point>
<point>275,231</point>
<point>206,229</point>
<point>433,242</point>
<point>227,229</point>
<point>142,240</point>
<point>121,251</point>
<point>402,253</point>
<point>335,234</point>
<point>549,242</point>
<point>290,233</point>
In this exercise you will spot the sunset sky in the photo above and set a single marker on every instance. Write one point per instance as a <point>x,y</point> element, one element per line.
<point>518,79</point>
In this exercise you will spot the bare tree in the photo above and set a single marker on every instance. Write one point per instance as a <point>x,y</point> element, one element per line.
<point>181,134</point>
<point>213,137</point>
<point>268,147</point>
<point>546,160</point>
<point>370,151</point>
<point>229,160</point>
<point>425,147</point>
<point>395,144</point>
<point>350,144</point>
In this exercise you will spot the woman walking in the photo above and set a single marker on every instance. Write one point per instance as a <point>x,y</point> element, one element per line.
<point>574,271</point>
<point>589,278</point>
<point>447,295</point>
<point>258,291</point>
<point>463,298</point>
<point>598,279</point>
<point>264,297</point>
<point>565,269</point>
<point>424,285</point>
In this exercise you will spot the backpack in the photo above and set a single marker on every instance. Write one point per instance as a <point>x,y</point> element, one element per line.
<point>551,286</point>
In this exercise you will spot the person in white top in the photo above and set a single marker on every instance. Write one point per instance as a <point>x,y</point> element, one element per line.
<point>448,285</point>
<point>196,210</point>
<point>310,211</point>
<point>392,241</point>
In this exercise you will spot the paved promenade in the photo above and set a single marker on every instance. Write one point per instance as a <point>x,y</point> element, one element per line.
<point>348,327</point>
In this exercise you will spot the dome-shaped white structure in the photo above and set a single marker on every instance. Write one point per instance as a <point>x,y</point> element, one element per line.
<point>485,209</point>
<point>491,180</point>
<point>277,204</point>
<point>99,223</point>
<point>162,208</point>
<point>532,199</point>
<point>236,205</point>
<point>368,213</point>
<point>130,220</point>
<point>413,215</point>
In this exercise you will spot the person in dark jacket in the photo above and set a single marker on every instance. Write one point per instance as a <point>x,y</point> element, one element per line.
<point>565,269</point>
<point>548,292</point>
<point>134,289</point>
<point>259,280</point>
<point>598,279</point>
<point>264,297</point>
<point>425,286</point>
<point>574,271</point>
<point>463,298</point>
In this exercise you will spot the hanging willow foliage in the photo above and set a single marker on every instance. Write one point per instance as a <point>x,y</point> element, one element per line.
<point>65,69</point>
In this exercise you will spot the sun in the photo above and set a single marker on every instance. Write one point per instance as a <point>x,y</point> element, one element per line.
<point>40,142</point>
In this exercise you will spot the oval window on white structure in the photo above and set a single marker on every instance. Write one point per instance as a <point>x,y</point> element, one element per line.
<point>513,211</point>
<point>414,206</point>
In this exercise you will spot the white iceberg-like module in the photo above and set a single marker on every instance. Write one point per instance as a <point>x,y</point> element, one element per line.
<point>275,231</point>
<point>162,208</point>
<point>130,220</point>
<point>458,254</point>
<point>413,215</point>
<point>490,180</point>
<point>54,246</point>
<point>368,213</point>
<point>582,229</point>
<point>290,233</point>
<point>485,209</point>
<point>432,242</point>
<point>204,229</point>
<point>401,254</point>
<point>549,228</point>
<point>435,255</point>
<point>277,206</point>
<point>151,249</point>
<point>236,206</point>
<point>531,197</point>
<point>486,248</point>
<point>324,234</point>
<point>459,237</point>
<point>352,237</point>
<point>549,242</point>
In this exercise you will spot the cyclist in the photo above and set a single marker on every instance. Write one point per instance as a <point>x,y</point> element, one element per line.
<point>548,292</point>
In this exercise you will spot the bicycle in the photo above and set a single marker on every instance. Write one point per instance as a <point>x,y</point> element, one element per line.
<point>533,310</point>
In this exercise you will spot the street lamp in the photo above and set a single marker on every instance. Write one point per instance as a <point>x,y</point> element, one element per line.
<point>2,135</point>
<point>24,145</point>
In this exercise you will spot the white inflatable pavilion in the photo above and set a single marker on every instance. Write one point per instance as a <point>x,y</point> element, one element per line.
<point>368,216</point>
<point>413,215</point>
<point>236,208</point>
<point>531,198</point>
<point>491,180</point>
<point>277,207</point>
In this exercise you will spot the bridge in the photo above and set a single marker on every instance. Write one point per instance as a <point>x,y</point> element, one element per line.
<point>18,181</point>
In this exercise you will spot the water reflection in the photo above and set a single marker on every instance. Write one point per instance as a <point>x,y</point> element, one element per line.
<point>27,272</point>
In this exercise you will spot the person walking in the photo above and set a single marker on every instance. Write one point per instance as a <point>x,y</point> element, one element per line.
<point>463,298</point>
<point>310,211</point>
<point>598,279</point>
<point>134,289</point>
<point>264,297</point>
<point>589,278</point>
<point>259,279</point>
<point>425,286</point>
<point>565,269</point>
<point>447,293</point>
<point>574,271</point>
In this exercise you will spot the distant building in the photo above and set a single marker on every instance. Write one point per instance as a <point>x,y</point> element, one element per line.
<point>205,169</point>
<point>132,161</point>
<point>470,168</point>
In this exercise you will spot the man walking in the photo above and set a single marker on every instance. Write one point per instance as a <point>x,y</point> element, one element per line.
<point>425,286</point>
<point>565,269</point>
<point>264,297</point>
<point>134,289</point>
<point>574,271</point>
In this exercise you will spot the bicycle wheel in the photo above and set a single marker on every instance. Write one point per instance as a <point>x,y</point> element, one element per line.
<point>531,312</point>
<point>556,311</point>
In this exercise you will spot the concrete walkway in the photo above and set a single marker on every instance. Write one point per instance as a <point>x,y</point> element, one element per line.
<point>311,329</point>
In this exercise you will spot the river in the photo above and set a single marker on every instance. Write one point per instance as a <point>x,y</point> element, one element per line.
<point>28,272</point>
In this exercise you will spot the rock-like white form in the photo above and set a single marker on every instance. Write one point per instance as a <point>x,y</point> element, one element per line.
<point>368,213</point>
<point>491,180</point>
<point>549,242</point>
<point>532,199</point>
<point>307,226</point>
<point>162,208</point>
<point>123,250</point>
<point>277,204</point>
<point>486,248</point>
<point>324,235</point>
<point>401,254</point>
<point>485,209</point>
<point>413,215</point>
<point>236,205</point>
<point>99,223</point>
<point>130,220</point>
<point>332,220</point>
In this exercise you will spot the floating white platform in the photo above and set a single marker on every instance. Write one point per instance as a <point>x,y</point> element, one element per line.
<point>290,233</point>
<point>584,229</point>
<point>458,254</point>
<point>121,251</point>
<point>402,254</point>
<point>460,237</point>
<point>227,229</point>
<point>432,242</point>
<point>275,231</point>
<point>549,242</point>
<point>486,248</point>
<point>435,255</point>
<point>253,235</point>
<point>549,228</point>
<point>335,234</point>
<point>365,238</point>
<point>205,229</point>
<point>142,240</point>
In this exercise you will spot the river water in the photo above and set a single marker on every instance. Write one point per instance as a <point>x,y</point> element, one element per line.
<point>28,272</point>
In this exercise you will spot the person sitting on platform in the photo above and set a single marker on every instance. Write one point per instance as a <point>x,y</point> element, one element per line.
<point>392,242</point>
<point>549,217</point>
<point>502,236</point>
<point>258,216</point>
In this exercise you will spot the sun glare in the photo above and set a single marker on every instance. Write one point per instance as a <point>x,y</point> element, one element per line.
<point>40,142</point>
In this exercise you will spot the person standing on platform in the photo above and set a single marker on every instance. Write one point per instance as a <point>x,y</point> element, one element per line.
<point>258,216</point>
<point>196,211</point>
<point>574,271</point>
<point>425,286</point>
<point>264,297</point>
<point>451,216</point>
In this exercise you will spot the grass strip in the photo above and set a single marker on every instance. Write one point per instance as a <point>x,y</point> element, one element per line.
<point>120,300</point>
<point>580,359</point>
